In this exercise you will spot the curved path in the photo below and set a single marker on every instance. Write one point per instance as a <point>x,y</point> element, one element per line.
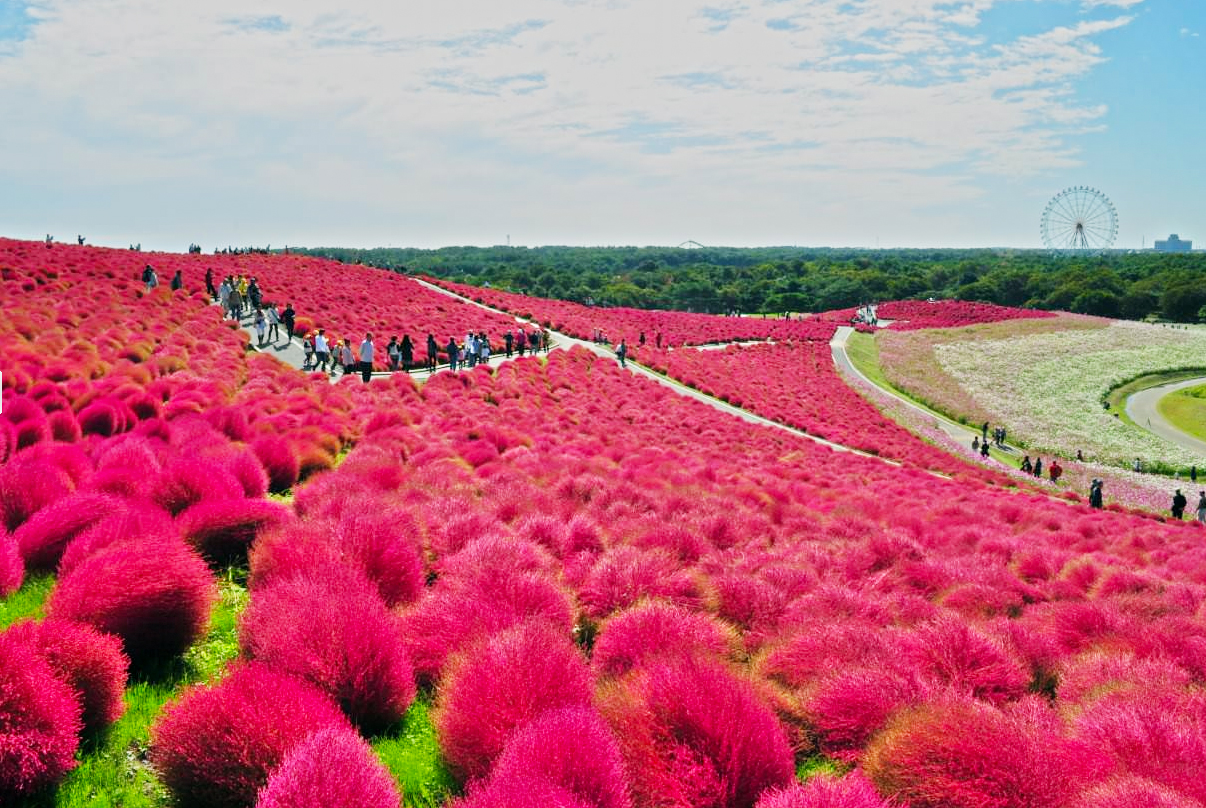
<point>1143,409</point>
<point>957,431</point>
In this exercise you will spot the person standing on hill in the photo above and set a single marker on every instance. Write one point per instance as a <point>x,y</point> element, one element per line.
<point>1056,470</point>
<point>391,350</point>
<point>1178,505</point>
<point>521,341</point>
<point>1095,494</point>
<point>287,317</point>
<point>1038,468</point>
<point>260,324</point>
<point>177,281</point>
<point>1026,467</point>
<point>209,283</point>
<point>622,353</point>
<point>432,351</point>
<point>1202,506</point>
<point>453,350</point>
<point>366,358</point>
<point>274,324</point>
<point>544,339</point>
<point>406,352</point>
<point>253,293</point>
<point>984,432</point>
<point>236,303</point>
<point>984,448</point>
<point>508,340</point>
<point>350,362</point>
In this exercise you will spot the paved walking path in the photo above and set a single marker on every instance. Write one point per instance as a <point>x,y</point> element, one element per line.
<point>957,431</point>
<point>1143,409</point>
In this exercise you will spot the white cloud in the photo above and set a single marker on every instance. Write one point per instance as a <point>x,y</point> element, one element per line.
<point>460,113</point>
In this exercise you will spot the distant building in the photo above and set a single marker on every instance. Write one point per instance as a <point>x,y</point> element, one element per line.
<point>1174,244</point>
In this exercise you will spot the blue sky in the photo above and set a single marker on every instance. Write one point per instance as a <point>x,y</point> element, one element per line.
<point>742,122</point>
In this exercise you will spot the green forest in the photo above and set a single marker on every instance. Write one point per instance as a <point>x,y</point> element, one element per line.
<point>1133,285</point>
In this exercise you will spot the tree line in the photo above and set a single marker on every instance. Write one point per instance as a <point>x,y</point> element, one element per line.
<point>1133,285</point>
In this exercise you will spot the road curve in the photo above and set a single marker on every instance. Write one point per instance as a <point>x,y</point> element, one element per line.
<point>1142,408</point>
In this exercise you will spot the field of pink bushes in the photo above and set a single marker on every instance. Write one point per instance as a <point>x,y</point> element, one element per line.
<point>913,315</point>
<point>615,596</point>
<point>675,327</point>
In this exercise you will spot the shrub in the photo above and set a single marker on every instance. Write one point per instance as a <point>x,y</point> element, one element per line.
<point>39,721</point>
<point>572,748</point>
<point>27,486</point>
<point>156,595</point>
<point>951,653</point>
<point>188,480</point>
<point>656,630</point>
<point>334,769</point>
<point>848,706</point>
<point>12,569</point>
<point>454,615</point>
<point>221,530</point>
<point>852,791</point>
<point>387,546</point>
<point>694,734</point>
<point>521,792</point>
<point>963,753</point>
<point>501,684</point>
<point>299,547</point>
<point>216,745</point>
<point>46,534</point>
<point>279,462</point>
<point>134,521</point>
<point>337,634</point>
<point>1134,792</point>
<point>90,662</point>
<point>623,575</point>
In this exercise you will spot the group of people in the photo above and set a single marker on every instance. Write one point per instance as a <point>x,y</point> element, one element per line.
<point>235,293</point>
<point>1179,502</point>
<point>1055,471</point>
<point>330,355</point>
<point>150,279</point>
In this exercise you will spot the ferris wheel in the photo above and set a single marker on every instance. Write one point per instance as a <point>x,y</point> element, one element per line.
<point>1081,220</point>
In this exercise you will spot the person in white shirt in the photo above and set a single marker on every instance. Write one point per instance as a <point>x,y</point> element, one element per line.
<point>321,349</point>
<point>366,358</point>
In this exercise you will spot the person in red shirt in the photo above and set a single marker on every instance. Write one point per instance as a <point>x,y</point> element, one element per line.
<point>1055,471</point>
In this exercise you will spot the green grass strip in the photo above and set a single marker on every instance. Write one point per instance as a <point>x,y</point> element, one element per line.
<point>411,752</point>
<point>28,601</point>
<point>1186,410</point>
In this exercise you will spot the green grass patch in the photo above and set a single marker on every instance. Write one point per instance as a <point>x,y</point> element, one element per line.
<point>819,766</point>
<point>1186,410</point>
<point>411,752</point>
<point>863,351</point>
<point>27,601</point>
<point>114,771</point>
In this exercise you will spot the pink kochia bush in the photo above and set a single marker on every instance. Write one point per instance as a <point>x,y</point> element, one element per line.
<point>852,791</point>
<point>216,745</point>
<point>47,533</point>
<point>90,662</point>
<point>156,595</point>
<point>135,521</point>
<point>656,630</point>
<point>333,768</point>
<point>12,569</point>
<point>501,684</point>
<point>963,753</point>
<point>694,734</point>
<point>569,748</point>
<point>222,530</point>
<point>39,721</point>
<point>335,632</point>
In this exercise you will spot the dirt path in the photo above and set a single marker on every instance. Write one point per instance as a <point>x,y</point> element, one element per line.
<point>1143,409</point>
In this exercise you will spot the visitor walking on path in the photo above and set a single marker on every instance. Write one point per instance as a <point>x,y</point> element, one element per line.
<point>432,351</point>
<point>406,352</point>
<point>350,362</point>
<point>308,348</point>
<point>521,341</point>
<point>1026,467</point>
<point>453,349</point>
<point>622,353</point>
<point>1202,506</point>
<point>508,341</point>
<point>1056,470</point>
<point>322,349</point>
<point>366,358</point>
<point>984,431</point>
<point>984,448</point>
<point>274,324</point>
<point>391,350</point>
<point>1178,505</point>
<point>260,325</point>
<point>209,284</point>
<point>1095,494</point>
<point>975,443</point>
<point>1038,468</point>
<point>287,317</point>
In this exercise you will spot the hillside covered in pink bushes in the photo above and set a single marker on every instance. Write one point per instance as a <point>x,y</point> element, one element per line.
<point>611,595</point>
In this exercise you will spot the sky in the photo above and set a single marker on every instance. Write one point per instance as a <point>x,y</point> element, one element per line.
<point>860,123</point>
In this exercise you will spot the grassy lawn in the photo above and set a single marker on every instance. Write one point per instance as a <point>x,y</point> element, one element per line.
<point>864,355</point>
<point>1186,410</point>
<point>411,752</point>
<point>26,601</point>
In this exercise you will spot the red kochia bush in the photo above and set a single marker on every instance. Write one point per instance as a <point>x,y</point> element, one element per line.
<point>337,634</point>
<point>47,533</point>
<point>656,630</point>
<point>216,746</point>
<point>90,662</point>
<point>189,480</point>
<point>221,530</point>
<point>852,791</point>
<point>334,769</point>
<point>572,748</point>
<point>501,684</point>
<point>1134,792</point>
<point>12,569</point>
<point>279,461</point>
<point>694,734</point>
<point>963,753</point>
<point>156,595</point>
<point>522,792</point>
<point>135,521</point>
<point>39,721</point>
